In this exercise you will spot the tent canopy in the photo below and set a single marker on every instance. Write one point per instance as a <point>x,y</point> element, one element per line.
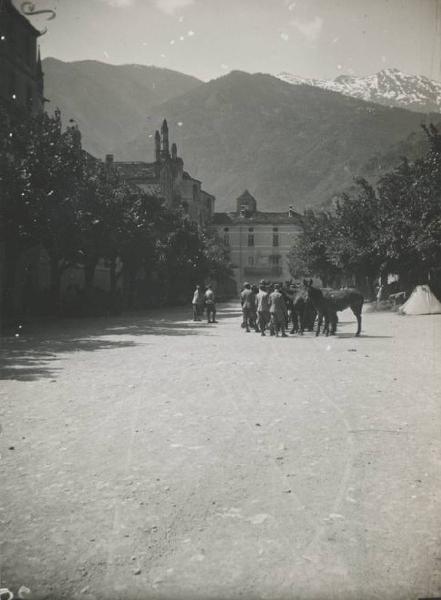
<point>422,301</point>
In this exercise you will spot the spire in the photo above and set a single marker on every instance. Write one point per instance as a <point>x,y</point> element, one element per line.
<point>165,146</point>
<point>40,74</point>
<point>174,151</point>
<point>157,146</point>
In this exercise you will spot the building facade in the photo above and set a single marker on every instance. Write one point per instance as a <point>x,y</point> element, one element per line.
<point>21,75</point>
<point>259,241</point>
<point>166,178</point>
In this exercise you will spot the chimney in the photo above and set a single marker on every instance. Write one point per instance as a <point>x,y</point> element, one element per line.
<point>291,212</point>
<point>109,160</point>
<point>174,151</point>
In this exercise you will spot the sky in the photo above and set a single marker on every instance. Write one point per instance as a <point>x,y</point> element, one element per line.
<point>208,38</point>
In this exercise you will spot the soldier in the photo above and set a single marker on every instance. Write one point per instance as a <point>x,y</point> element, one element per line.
<point>247,300</point>
<point>210,305</point>
<point>278,311</point>
<point>197,303</point>
<point>263,307</point>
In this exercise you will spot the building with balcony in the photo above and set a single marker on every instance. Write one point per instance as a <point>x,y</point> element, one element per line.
<point>259,241</point>
<point>21,75</point>
<point>166,178</point>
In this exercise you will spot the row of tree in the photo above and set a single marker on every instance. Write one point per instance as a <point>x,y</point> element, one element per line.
<point>373,231</point>
<point>56,197</point>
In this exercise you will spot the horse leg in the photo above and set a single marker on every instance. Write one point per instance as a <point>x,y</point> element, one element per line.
<point>294,327</point>
<point>326,328</point>
<point>357,312</point>
<point>319,323</point>
<point>358,315</point>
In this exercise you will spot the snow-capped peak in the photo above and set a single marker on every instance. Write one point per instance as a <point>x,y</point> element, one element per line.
<point>390,87</point>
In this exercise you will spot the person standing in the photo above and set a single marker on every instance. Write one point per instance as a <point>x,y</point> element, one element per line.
<point>197,303</point>
<point>263,307</point>
<point>247,299</point>
<point>210,305</point>
<point>278,311</point>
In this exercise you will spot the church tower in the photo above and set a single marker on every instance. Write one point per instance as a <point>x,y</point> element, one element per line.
<point>165,144</point>
<point>157,146</point>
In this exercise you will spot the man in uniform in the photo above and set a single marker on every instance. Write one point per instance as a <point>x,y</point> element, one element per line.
<point>210,305</point>
<point>197,303</point>
<point>247,300</point>
<point>263,307</point>
<point>278,311</point>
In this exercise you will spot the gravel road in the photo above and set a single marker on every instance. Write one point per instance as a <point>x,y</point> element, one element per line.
<point>150,457</point>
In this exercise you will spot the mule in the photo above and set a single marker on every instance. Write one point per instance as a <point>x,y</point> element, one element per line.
<point>300,307</point>
<point>328,302</point>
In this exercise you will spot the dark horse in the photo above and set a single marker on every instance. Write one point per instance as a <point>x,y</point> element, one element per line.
<point>328,302</point>
<point>302,311</point>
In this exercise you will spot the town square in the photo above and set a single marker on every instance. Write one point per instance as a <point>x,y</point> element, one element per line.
<point>220,333</point>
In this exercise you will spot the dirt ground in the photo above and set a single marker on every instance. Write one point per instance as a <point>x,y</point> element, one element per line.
<point>150,457</point>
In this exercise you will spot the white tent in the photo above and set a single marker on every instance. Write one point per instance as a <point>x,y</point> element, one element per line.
<point>422,301</point>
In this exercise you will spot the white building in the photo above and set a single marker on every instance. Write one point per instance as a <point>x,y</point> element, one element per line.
<point>259,241</point>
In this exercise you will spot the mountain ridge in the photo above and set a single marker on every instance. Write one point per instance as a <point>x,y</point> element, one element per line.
<point>287,144</point>
<point>109,102</point>
<point>390,87</point>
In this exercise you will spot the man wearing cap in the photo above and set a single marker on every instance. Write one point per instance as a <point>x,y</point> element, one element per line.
<point>263,307</point>
<point>210,305</point>
<point>197,303</point>
<point>278,311</point>
<point>247,300</point>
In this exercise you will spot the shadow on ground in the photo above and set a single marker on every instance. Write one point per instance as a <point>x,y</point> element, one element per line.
<point>32,351</point>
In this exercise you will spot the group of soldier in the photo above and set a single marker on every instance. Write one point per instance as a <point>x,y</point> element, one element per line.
<point>204,300</point>
<point>264,308</point>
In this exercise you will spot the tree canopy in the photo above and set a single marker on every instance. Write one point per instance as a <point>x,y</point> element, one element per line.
<point>392,227</point>
<point>57,197</point>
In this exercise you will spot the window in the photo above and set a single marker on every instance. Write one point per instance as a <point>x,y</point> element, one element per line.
<point>274,260</point>
<point>275,239</point>
<point>226,236</point>
<point>251,261</point>
<point>251,239</point>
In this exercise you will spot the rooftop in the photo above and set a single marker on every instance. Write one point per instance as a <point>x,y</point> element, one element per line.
<point>136,170</point>
<point>257,218</point>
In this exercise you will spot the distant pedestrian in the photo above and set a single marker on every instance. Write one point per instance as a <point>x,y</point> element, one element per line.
<point>247,300</point>
<point>253,311</point>
<point>198,303</point>
<point>278,311</point>
<point>210,305</point>
<point>263,308</point>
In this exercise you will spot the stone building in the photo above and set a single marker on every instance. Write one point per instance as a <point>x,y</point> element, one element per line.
<point>259,241</point>
<point>21,75</point>
<point>166,178</point>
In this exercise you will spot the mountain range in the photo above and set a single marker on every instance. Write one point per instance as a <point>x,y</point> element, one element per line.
<point>110,103</point>
<point>389,87</point>
<point>288,144</point>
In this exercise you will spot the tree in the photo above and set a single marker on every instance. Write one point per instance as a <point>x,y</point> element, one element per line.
<point>310,255</point>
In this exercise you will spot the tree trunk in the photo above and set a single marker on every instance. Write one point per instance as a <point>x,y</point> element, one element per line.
<point>113,277</point>
<point>9,273</point>
<point>55,285</point>
<point>89,273</point>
